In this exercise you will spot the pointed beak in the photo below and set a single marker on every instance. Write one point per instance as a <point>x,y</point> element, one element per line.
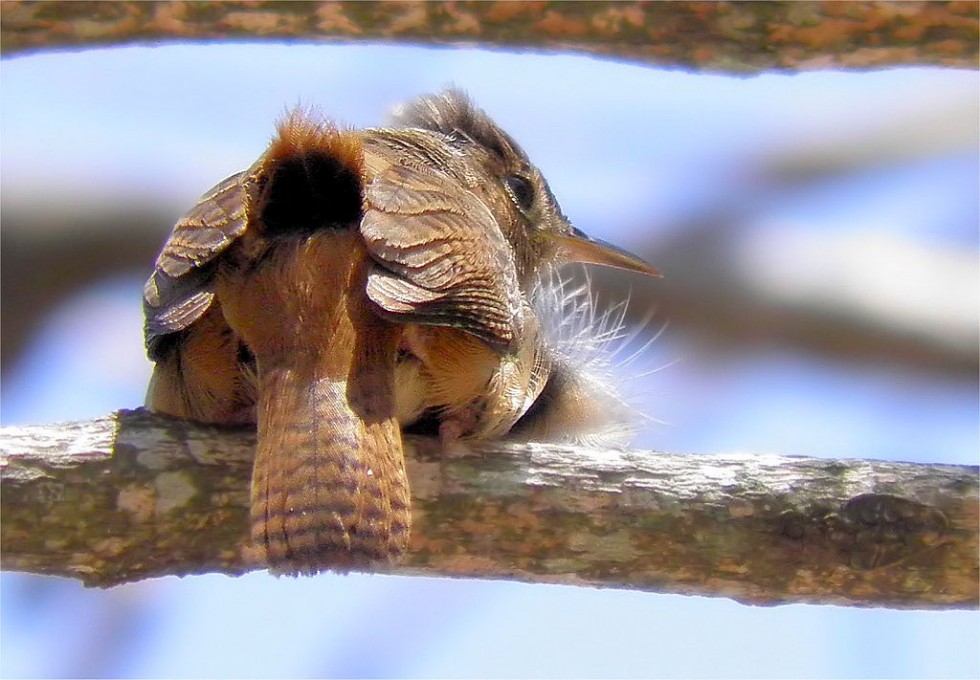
<point>579,247</point>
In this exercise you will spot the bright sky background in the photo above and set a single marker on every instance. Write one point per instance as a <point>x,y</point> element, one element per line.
<point>628,150</point>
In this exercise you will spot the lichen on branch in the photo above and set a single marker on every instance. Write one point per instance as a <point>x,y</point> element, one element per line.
<point>135,496</point>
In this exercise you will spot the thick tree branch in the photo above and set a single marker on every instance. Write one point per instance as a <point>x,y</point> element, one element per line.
<point>134,496</point>
<point>722,36</point>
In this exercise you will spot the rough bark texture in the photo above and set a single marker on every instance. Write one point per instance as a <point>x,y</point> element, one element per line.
<point>721,36</point>
<point>134,496</point>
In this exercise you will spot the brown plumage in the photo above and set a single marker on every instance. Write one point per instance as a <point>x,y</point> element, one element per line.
<point>347,284</point>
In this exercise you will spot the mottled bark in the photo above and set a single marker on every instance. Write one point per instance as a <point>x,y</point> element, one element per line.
<point>133,496</point>
<point>739,37</point>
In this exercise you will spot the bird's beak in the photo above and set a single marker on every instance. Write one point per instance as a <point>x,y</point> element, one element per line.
<point>577,246</point>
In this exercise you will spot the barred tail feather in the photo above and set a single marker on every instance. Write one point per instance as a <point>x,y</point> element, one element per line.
<point>329,488</point>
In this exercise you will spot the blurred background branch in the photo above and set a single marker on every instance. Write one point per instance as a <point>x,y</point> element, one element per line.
<point>136,496</point>
<point>782,305</point>
<point>739,37</point>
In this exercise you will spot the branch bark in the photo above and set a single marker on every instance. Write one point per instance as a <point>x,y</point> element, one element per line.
<point>135,496</point>
<point>739,37</point>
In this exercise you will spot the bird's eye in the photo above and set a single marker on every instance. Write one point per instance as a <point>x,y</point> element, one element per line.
<point>521,190</point>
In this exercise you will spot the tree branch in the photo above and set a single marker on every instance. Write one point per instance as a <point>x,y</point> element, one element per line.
<point>134,496</point>
<point>739,37</point>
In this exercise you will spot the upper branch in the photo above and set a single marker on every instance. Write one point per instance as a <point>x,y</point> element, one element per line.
<point>134,496</point>
<point>735,37</point>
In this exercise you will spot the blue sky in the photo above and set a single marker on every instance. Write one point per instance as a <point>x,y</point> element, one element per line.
<point>629,151</point>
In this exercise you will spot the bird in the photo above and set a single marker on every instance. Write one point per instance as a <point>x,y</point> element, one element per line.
<point>351,284</point>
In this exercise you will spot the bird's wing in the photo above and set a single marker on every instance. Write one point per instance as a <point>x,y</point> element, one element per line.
<point>181,287</point>
<point>440,255</point>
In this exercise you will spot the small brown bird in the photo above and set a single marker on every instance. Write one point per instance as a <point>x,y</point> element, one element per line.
<point>351,283</point>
